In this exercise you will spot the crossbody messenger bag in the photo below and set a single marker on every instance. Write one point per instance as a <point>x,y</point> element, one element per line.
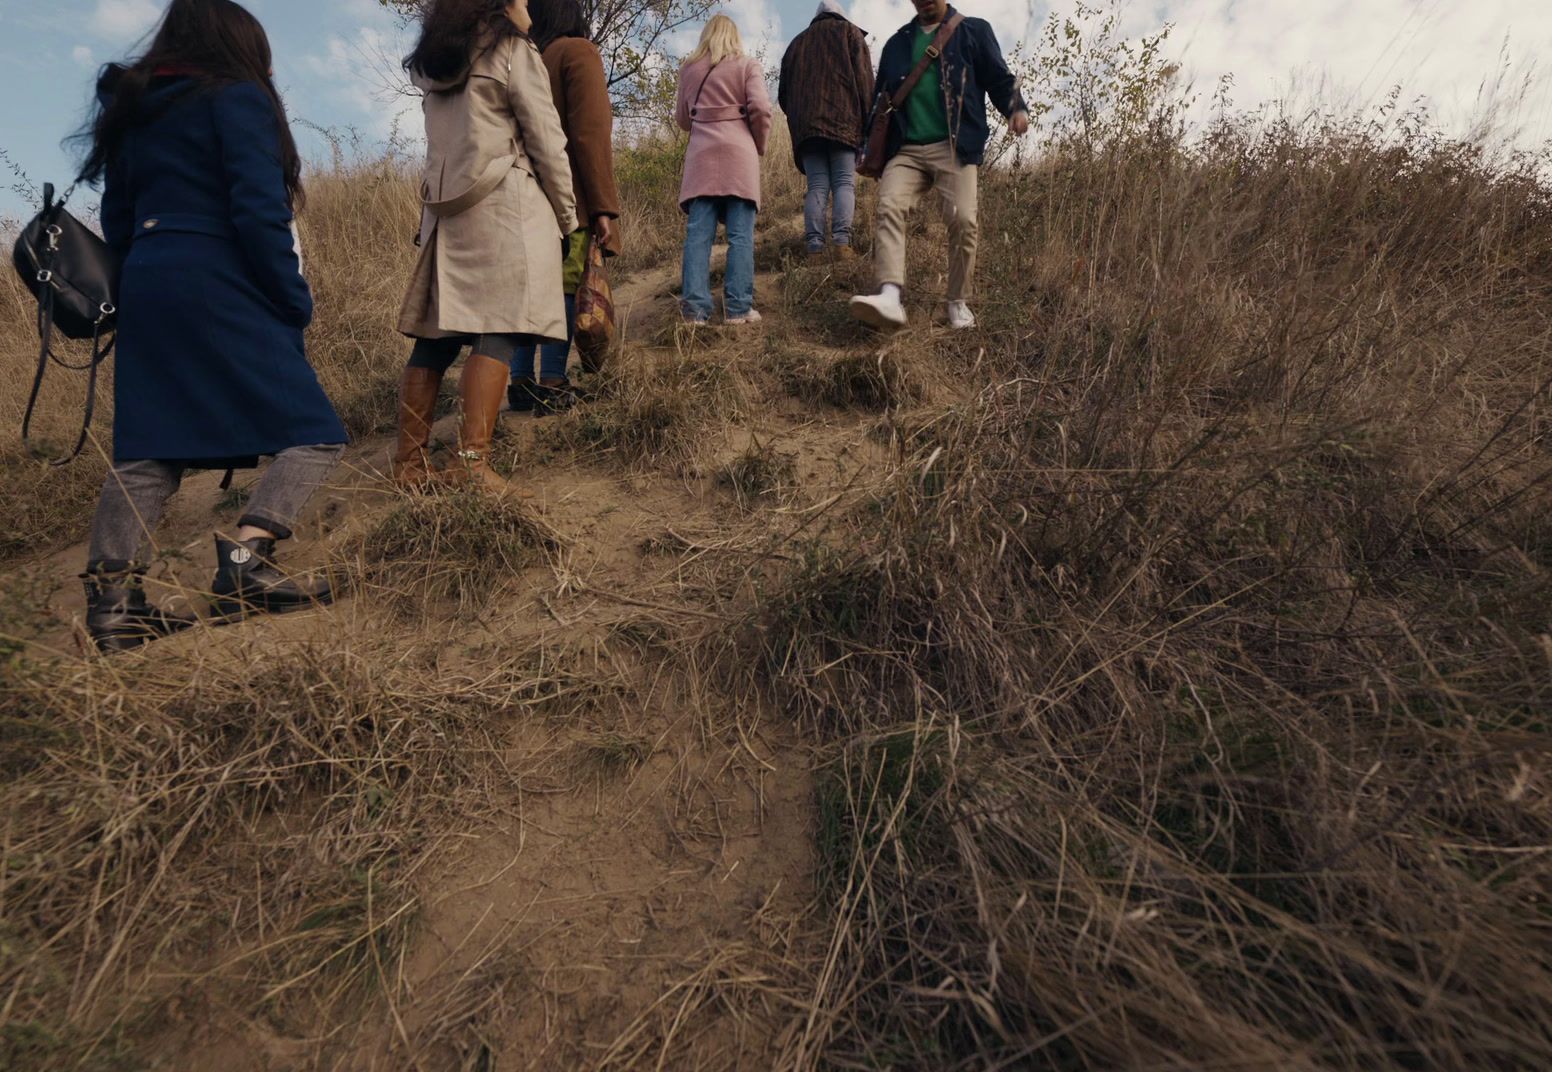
<point>876,147</point>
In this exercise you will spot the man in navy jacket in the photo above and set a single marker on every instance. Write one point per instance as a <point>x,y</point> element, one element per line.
<point>937,139</point>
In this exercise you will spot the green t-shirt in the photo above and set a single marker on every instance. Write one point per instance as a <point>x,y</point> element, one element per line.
<point>925,114</point>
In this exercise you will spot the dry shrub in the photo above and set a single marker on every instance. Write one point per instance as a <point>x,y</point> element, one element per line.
<point>651,223</point>
<point>1188,690</point>
<point>782,186</point>
<point>817,297</point>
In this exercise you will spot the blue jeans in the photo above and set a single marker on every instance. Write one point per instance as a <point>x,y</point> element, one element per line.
<point>830,168</point>
<point>552,355</point>
<point>704,213</point>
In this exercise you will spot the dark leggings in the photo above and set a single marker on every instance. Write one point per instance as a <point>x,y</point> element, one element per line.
<point>438,355</point>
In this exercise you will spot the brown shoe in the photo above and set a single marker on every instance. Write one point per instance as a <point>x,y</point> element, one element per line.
<point>483,388</point>
<point>418,389</point>
<point>845,253</point>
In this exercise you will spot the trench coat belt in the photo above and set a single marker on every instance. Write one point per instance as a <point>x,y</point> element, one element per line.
<point>724,114</point>
<point>483,187</point>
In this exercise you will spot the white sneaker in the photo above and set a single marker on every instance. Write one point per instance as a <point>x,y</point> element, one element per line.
<point>882,311</point>
<point>751,317</point>
<point>959,316</point>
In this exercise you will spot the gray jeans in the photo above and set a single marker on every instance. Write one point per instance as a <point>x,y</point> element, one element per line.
<point>831,170</point>
<point>135,495</point>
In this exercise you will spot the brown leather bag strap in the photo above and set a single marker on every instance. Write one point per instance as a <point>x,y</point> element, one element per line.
<point>696,103</point>
<point>934,50</point>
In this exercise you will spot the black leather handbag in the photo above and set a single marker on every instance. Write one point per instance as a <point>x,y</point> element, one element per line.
<point>74,276</point>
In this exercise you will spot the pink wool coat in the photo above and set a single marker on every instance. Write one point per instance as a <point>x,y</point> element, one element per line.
<point>728,128</point>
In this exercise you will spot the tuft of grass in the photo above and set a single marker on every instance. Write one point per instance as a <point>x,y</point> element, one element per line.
<point>870,380</point>
<point>760,470</point>
<point>344,942</point>
<point>649,412</point>
<point>615,753</point>
<point>453,550</point>
<point>232,499</point>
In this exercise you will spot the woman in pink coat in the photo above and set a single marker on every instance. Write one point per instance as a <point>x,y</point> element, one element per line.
<point>724,105</point>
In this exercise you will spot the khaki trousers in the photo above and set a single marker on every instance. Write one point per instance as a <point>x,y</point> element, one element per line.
<point>910,174</point>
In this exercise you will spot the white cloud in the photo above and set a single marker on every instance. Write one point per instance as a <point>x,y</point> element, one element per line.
<point>123,20</point>
<point>1353,51</point>
<point>82,55</point>
<point>361,72</point>
<point>758,25</point>
<point>1340,52</point>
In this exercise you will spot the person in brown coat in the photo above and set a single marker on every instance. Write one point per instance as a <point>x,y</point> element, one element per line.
<point>498,207</point>
<point>826,90</point>
<point>581,91</point>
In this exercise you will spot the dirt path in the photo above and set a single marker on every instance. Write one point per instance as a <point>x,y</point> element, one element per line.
<point>647,837</point>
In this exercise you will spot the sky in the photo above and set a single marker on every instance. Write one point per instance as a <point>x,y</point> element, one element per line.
<point>330,57</point>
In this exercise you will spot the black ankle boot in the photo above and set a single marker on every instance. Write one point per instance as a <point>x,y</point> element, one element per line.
<point>555,399</point>
<point>118,615</point>
<point>248,582</point>
<point>522,396</point>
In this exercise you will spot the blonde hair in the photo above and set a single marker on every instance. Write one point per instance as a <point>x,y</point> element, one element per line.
<point>719,40</point>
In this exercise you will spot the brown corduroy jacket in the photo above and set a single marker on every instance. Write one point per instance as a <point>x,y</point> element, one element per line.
<point>826,84</point>
<point>582,98</point>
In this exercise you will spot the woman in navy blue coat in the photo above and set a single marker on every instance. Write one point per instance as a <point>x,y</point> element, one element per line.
<point>201,176</point>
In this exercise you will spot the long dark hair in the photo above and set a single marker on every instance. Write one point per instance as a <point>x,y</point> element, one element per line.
<point>213,42</point>
<point>450,31</point>
<point>554,19</point>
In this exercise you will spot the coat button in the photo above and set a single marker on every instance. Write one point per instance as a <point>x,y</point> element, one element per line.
<point>149,224</point>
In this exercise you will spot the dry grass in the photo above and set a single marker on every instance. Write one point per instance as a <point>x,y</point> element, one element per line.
<point>358,234</point>
<point>39,504</point>
<point>447,553</point>
<point>208,830</point>
<point>658,410</point>
<point>1189,691</point>
<point>1182,692</point>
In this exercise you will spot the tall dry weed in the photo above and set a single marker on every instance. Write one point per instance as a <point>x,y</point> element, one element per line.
<point>1188,690</point>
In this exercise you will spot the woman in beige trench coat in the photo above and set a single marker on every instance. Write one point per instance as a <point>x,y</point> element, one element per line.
<point>498,203</point>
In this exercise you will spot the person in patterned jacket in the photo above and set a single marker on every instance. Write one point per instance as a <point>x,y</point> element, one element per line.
<point>826,90</point>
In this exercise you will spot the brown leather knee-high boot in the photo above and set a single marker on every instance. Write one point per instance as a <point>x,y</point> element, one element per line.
<point>483,387</point>
<point>417,409</point>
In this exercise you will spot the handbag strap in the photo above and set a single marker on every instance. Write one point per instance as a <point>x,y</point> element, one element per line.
<point>934,50</point>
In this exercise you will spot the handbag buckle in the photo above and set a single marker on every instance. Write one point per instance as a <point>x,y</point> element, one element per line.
<point>45,276</point>
<point>53,231</point>
<point>106,309</point>
<point>933,52</point>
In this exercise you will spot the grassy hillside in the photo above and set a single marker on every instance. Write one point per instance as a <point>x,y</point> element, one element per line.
<point>1156,677</point>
